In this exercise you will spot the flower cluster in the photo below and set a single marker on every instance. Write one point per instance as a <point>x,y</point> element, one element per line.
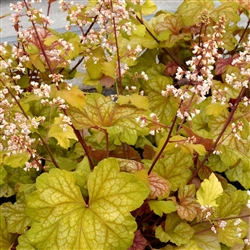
<point>207,210</point>
<point>55,102</point>
<point>66,121</point>
<point>200,75</point>
<point>41,91</point>
<point>236,129</point>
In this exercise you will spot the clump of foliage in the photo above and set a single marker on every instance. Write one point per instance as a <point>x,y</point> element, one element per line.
<point>164,163</point>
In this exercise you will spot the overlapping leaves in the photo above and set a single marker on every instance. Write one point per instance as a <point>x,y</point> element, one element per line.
<point>102,112</point>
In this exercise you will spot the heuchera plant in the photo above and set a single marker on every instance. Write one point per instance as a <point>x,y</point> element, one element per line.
<point>162,163</point>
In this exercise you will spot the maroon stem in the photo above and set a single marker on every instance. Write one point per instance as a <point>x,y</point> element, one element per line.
<point>229,119</point>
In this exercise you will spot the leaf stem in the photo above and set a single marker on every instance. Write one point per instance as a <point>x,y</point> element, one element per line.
<point>164,145</point>
<point>244,32</point>
<point>84,146</point>
<point>219,219</point>
<point>229,119</point>
<point>183,66</point>
<point>117,51</point>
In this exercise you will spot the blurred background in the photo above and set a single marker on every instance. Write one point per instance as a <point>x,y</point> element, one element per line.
<point>8,33</point>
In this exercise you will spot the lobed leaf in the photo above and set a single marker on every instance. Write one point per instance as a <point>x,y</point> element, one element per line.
<point>189,207</point>
<point>16,160</point>
<point>62,219</point>
<point>62,136</point>
<point>175,168</point>
<point>231,204</point>
<point>205,238</point>
<point>232,234</point>
<point>228,10</point>
<point>148,7</point>
<point>164,107</point>
<point>160,207</point>
<point>18,221</point>
<point>189,8</point>
<point>204,195</point>
<point>176,230</point>
<point>101,111</point>
<point>74,97</point>
<point>159,187</point>
<point>6,239</point>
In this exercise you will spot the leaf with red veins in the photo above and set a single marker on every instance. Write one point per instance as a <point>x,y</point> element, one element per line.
<point>159,187</point>
<point>130,166</point>
<point>172,23</point>
<point>206,142</point>
<point>189,207</point>
<point>221,64</point>
<point>171,68</point>
<point>139,242</point>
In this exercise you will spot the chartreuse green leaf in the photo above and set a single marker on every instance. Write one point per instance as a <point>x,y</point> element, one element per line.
<point>239,174</point>
<point>160,207</point>
<point>6,239</point>
<point>16,176</point>
<point>231,157</point>
<point>238,163</point>
<point>101,111</point>
<point>62,219</point>
<point>56,131</point>
<point>140,30</point>
<point>215,109</point>
<point>189,8</point>
<point>16,160</point>
<point>164,107</point>
<point>16,217</point>
<point>233,232</point>
<point>148,7</point>
<point>205,238</point>
<point>231,204</point>
<point>74,97</point>
<point>215,163</point>
<point>94,70</point>
<point>81,174</point>
<point>3,174</point>
<point>204,195</point>
<point>176,230</point>
<point>175,168</point>
<point>228,10</point>
<point>138,101</point>
<point>23,243</point>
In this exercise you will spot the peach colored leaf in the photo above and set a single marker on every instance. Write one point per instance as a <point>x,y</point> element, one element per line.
<point>172,23</point>
<point>188,207</point>
<point>171,68</point>
<point>159,187</point>
<point>206,142</point>
<point>221,64</point>
<point>107,81</point>
<point>139,242</point>
<point>130,166</point>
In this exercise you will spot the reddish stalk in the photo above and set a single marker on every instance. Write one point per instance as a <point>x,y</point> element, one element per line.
<point>229,119</point>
